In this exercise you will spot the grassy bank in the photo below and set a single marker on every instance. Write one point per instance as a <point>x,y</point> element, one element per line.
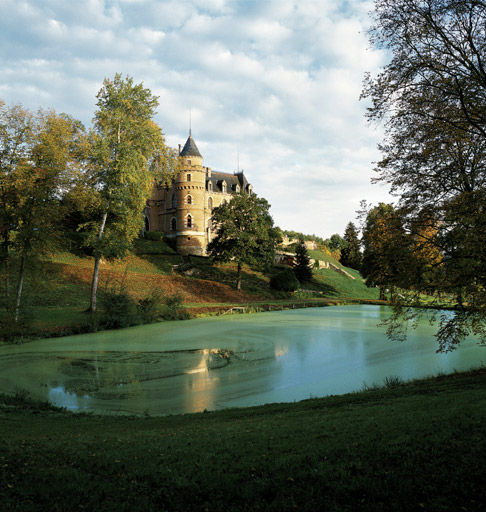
<point>57,291</point>
<point>418,446</point>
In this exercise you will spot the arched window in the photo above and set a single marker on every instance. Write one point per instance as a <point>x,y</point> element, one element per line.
<point>174,201</point>
<point>189,199</point>
<point>237,189</point>
<point>210,203</point>
<point>223,187</point>
<point>210,186</point>
<point>147,224</point>
<point>189,221</point>
<point>173,224</point>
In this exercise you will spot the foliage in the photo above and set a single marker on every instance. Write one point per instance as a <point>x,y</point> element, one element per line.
<point>128,154</point>
<point>432,96</point>
<point>118,309</point>
<point>155,236</point>
<point>302,267</point>
<point>336,243</point>
<point>173,307</point>
<point>351,254</point>
<point>38,163</point>
<point>284,281</point>
<point>385,249</point>
<point>245,233</point>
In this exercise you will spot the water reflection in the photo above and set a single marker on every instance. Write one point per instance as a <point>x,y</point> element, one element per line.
<point>212,363</point>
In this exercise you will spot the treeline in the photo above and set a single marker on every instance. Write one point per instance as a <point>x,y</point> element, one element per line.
<point>56,174</point>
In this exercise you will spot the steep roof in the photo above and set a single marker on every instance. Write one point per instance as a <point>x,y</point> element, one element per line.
<point>231,180</point>
<point>190,148</point>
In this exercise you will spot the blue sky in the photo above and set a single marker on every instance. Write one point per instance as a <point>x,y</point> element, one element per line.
<point>276,82</point>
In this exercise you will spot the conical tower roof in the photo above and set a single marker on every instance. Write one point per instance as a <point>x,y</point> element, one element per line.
<point>190,148</point>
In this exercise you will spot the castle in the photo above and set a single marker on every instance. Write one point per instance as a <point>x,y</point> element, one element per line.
<point>183,211</point>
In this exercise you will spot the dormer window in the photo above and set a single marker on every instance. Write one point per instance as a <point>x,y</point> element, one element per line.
<point>237,189</point>
<point>210,186</point>
<point>250,190</point>
<point>188,177</point>
<point>223,187</point>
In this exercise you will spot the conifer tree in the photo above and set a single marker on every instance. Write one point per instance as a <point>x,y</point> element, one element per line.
<point>302,267</point>
<point>350,253</point>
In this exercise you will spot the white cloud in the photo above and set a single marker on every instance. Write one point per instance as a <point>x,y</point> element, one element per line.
<point>277,81</point>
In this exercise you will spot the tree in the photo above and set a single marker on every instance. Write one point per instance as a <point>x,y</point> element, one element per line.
<point>244,234</point>
<point>385,253</point>
<point>302,267</point>
<point>128,151</point>
<point>432,97</point>
<point>351,253</point>
<point>36,166</point>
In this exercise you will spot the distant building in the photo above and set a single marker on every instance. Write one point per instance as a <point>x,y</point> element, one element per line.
<point>184,211</point>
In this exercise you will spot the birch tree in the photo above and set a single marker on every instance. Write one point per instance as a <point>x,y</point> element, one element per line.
<point>129,153</point>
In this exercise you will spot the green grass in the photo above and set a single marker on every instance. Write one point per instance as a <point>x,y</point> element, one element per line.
<point>57,293</point>
<point>415,446</point>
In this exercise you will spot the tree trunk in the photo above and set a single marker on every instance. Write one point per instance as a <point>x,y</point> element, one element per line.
<point>96,270</point>
<point>19,288</point>
<point>382,293</point>
<point>238,277</point>
<point>7,273</point>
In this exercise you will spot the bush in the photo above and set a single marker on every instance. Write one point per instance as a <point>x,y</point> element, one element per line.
<point>173,309</point>
<point>118,310</point>
<point>155,236</point>
<point>148,307</point>
<point>285,281</point>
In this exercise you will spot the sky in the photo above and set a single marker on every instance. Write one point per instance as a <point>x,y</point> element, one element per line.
<point>270,87</point>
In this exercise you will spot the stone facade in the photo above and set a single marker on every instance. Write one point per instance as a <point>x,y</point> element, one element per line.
<point>183,211</point>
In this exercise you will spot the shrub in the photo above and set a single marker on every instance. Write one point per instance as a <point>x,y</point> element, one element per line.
<point>148,307</point>
<point>284,281</point>
<point>118,309</point>
<point>155,236</point>
<point>173,308</point>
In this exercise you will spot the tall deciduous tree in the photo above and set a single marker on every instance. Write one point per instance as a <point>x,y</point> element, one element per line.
<point>245,233</point>
<point>432,97</point>
<point>351,252</point>
<point>37,161</point>
<point>385,249</point>
<point>128,155</point>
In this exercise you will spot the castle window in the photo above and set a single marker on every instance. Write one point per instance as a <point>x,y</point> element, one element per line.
<point>174,201</point>
<point>173,224</point>
<point>210,186</point>
<point>188,177</point>
<point>210,203</point>
<point>189,221</point>
<point>189,199</point>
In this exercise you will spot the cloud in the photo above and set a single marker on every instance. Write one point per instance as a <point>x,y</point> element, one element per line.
<point>276,82</point>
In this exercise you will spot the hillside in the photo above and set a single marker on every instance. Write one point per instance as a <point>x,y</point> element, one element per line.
<point>57,294</point>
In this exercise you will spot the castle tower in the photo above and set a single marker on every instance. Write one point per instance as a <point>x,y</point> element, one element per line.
<point>190,188</point>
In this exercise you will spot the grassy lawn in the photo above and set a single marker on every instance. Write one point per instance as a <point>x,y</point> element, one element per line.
<point>418,446</point>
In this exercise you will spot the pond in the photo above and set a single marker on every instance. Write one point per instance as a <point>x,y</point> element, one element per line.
<point>228,361</point>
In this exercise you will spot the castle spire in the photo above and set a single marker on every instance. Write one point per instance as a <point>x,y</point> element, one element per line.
<point>190,148</point>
